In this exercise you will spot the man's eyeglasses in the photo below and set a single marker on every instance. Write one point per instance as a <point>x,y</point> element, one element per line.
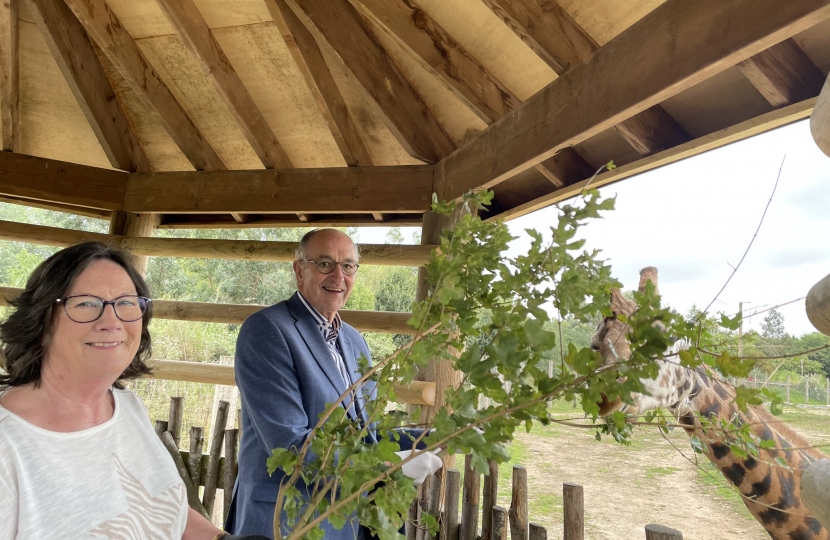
<point>85,308</point>
<point>327,267</point>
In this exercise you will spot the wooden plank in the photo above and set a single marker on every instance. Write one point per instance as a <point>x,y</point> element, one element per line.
<point>197,37</point>
<point>489,498</point>
<point>411,121</point>
<point>75,55</point>
<point>651,131</point>
<point>399,189</point>
<point>120,48</point>
<point>10,75</point>
<point>205,248</point>
<point>217,221</point>
<point>640,68</point>
<point>471,499</point>
<point>42,179</point>
<point>518,512</point>
<point>499,526</point>
<point>309,60</point>
<point>738,132</point>
<point>783,74</point>
<point>452,490</point>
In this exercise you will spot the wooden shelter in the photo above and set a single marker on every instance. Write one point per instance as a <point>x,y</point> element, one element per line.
<point>297,113</point>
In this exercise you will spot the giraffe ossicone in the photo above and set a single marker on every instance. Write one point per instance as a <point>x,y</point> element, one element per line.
<point>772,493</point>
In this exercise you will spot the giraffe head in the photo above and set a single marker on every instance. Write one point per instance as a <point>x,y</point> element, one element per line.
<point>670,389</point>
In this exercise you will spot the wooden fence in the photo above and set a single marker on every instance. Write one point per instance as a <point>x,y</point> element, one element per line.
<point>468,512</point>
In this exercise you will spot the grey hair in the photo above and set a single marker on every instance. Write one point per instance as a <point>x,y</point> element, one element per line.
<point>300,254</point>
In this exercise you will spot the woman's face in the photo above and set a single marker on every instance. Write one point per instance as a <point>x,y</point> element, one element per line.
<point>101,349</point>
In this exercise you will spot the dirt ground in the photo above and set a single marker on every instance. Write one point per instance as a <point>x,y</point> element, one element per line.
<point>626,488</point>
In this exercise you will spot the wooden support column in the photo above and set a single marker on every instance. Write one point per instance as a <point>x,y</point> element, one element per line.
<point>9,73</point>
<point>130,224</point>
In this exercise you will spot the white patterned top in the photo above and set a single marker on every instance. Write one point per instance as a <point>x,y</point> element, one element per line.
<point>115,480</point>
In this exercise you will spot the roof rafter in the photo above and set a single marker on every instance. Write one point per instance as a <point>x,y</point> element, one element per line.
<point>197,37</point>
<point>783,74</point>
<point>556,38</point>
<point>309,60</point>
<point>102,24</point>
<point>640,68</point>
<point>76,57</point>
<point>9,78</point>
<point>429,43</point>
<point>413,124</point>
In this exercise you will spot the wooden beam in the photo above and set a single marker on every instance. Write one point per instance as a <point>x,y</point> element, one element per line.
<point>217,221</point>
<point>42,179</point>
<point>738,132</point>
<point>10,75</point>
<point>556,38</point>
<point>252,250</point>
<point>783,74</point>
<point>548,30</point>
<point>390,322</point>
<point>76,58</point>
<point>428,42</point>
<point>397,189</point>
<point>105,28</point>
<point>309,60</point>
<point>640,68</point>
<point>410,120</point>
<point>197,37</point>
<point>416,393</point>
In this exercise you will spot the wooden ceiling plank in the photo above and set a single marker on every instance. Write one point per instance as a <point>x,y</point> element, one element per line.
<point>783,74</point>
<point>565,168</point>
<point>103,26</point>
<point>49,180</point>
<point>312,66</point>
<point>413,124</point>
<point>341,190</point>
<point>640,68</point>
<point>553,35</point>
<point>185,17</point>
<point>215,221</point>
<point>57,207</point>
<point>76,57</point>
<point>10,76</point>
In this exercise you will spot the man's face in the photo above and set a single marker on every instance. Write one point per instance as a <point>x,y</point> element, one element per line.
<point>327,293</point>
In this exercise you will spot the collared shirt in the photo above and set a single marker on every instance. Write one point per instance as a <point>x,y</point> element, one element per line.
<point>330,331</point>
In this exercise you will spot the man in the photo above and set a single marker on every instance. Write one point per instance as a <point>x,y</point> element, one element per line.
<point>291,359</point>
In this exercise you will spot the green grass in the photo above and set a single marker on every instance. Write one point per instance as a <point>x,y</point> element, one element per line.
<point>654,472</point>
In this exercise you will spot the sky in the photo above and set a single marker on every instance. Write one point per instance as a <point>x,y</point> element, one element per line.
<point>694,218</point>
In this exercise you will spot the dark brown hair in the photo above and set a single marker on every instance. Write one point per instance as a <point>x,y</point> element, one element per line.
<point>27,333</point>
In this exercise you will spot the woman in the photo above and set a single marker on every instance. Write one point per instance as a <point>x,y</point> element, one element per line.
<point>78,457</point>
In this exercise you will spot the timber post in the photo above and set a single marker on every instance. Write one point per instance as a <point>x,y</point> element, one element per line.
<point>130,224</point>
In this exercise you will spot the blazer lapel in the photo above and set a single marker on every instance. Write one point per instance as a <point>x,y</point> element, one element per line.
<point>310,332</point>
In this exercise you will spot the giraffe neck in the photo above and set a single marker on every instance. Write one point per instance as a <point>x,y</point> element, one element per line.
<point>771,493</point>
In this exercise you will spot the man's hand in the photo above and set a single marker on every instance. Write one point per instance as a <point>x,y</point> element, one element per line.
<point>423,465</point>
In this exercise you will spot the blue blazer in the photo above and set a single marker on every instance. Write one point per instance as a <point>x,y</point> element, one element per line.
<point>286,375</point>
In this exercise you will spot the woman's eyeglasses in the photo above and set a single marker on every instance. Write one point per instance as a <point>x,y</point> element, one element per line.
<point>85,308</point>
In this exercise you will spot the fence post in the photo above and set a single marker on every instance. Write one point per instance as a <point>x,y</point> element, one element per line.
<point>434,507</point>
<point>231,445</point>
<point>491,494</point>
<point>472,494</point>
<point>452,487</point>
<point>806,391</point>
<point>574,510</point>
<point>537,532</point>
<point>659,532</point>
<point>498,519</point>
<point>827,392</point>
<point>518,505</point>
<point>194,458</point>
<point>217,438</point>
<point>788,388</point>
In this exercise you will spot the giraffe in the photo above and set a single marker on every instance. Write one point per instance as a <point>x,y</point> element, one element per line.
<point>771,493</point>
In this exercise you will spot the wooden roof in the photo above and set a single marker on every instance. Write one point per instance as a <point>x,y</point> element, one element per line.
<point>364,108</point>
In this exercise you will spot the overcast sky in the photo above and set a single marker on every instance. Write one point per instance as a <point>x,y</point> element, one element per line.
<point>694,218</point>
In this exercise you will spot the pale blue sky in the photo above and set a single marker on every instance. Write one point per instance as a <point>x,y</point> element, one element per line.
<point>694,218</point>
